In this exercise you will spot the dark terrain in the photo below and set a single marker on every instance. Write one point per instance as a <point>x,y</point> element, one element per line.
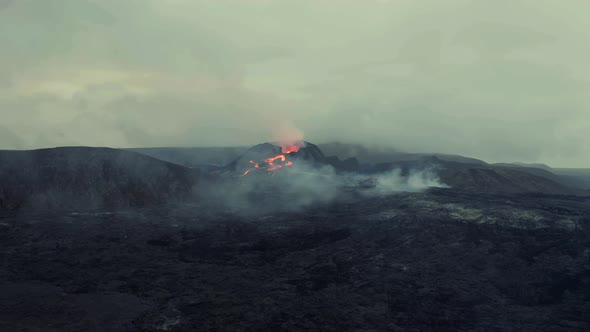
<point>502,250</point>
<point>89,178</point>
<point>438,261</point>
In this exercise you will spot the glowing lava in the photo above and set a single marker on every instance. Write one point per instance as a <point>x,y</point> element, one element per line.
<point>276,162</point>
<point>290,148</point>
<point>251,169</point>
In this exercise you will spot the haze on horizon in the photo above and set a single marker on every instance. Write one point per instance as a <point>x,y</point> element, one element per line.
<point>502,80</point>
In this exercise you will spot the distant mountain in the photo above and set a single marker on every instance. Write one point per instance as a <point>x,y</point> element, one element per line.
<point>89,178</point>
<point>502,180</point>
<point>576,177</point>
<point>375,154</point>
<point>538,171</point>
<point>484,178</point>
<point>194,157</point>
<point>560,180</point>
<point>527,165</point>
<point>459,172</point>
<point>572,177</point>
<point>534,165</point>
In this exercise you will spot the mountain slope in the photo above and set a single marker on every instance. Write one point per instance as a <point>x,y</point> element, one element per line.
<point>194,157</point>
<point>577,177</point>
<point>501,180</point>
<point>483,178</point>
<point>367,154</point>
<point>89,178</point>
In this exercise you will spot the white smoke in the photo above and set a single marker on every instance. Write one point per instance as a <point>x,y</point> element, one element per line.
<point>415,181</point>
<point>284,133</point>
<point>306,185</point>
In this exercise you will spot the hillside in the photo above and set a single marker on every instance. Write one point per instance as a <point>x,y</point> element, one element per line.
<point>89,178</point>
<point>368,154</point>
<point>501,180</point>
<point>571,177</point>
<point>483,178</point>
<point>194,157</point>
<point>577,177</point>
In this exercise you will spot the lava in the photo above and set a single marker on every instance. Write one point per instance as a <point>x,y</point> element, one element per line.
<point>274,168</point>
<point>272,163</point>
<point>256,165</point>
<point>290,148</point>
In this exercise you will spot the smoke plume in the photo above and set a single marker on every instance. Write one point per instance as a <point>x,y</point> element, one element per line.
<point>306,185</point>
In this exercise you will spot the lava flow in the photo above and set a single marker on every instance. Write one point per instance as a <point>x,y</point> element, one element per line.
<point>272,164</point>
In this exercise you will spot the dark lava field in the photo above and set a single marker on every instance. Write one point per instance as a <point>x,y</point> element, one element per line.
<point>436,261</point>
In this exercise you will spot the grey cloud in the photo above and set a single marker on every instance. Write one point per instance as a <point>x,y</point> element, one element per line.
<point>5,3</point>
<point>501,80</point>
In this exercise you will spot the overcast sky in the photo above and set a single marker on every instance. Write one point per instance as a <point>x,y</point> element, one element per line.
<point>501,80</point>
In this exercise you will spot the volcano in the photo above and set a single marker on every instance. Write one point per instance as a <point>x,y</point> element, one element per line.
<point>267,158</point>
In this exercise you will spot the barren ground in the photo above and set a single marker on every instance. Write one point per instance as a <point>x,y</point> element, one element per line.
<point>408,262</point>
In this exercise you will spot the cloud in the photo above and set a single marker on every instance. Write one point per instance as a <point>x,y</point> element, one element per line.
<point>502,80</point>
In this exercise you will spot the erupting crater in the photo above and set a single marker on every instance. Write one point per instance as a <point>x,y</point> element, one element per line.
<point>268,158</point>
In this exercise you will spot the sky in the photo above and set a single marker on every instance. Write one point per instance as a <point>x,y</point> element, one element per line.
<point>502,80</point>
